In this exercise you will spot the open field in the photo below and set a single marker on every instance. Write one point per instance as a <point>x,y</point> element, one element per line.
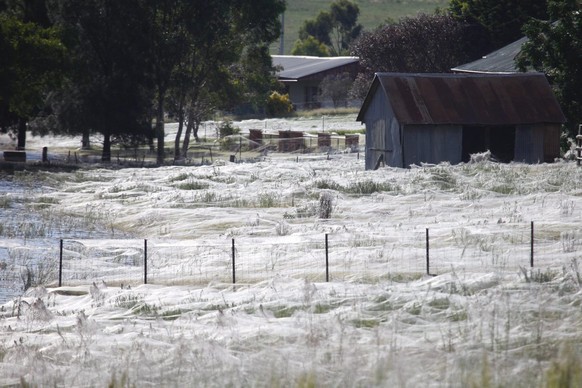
<point>486,319</point>
<point>372,14</point>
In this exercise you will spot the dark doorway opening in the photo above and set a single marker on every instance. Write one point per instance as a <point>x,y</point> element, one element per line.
<point>500,140</point>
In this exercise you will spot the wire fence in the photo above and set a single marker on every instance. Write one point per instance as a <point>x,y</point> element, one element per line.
<point>335,257</point>
<point>234,148</point>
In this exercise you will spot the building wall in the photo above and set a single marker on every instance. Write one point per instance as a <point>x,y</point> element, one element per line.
<point>432,144</point>
<point>551,142</point>
<point>539,143</point>
<point>529,144</point>
<point>401,146</point>
<point>303,93</point>
<point>296,92</point>
<point>382,133</point>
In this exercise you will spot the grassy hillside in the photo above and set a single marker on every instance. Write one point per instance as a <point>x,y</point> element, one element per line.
<point>372,14</point>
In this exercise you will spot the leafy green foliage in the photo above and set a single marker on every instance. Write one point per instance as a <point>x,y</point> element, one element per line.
<point>319,28</point>
<point>227,129</point>
<point>555,48</point>
<point>279,105</point>
<point>492,24</point>
<point>107,89</point>
<point>30,66</point>
<point>336,28</point>
<point>310,46</point>
<point>253,79</point>
<point>373,13</point>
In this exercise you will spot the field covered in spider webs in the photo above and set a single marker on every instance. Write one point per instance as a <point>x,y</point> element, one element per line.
<point>486,319</point>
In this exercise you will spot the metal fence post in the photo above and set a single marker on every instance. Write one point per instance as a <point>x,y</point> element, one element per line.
<point>531,257</point>
<point>61,264</point>
<point>427,254</point>
<point>326,259</point>
<point>145,261</point>
<point>233,264</point>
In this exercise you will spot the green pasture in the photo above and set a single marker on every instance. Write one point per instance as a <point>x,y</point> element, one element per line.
<point>372,14</point>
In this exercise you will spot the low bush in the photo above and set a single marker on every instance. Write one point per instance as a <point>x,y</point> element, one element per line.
<point>279,105</point>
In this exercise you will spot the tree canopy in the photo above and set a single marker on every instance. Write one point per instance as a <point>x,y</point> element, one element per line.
<point>336,29</point>
<point>310,46</point>
<point>554,47</point>
<point>108,76</point>
<point>425,43</point>
<point>491,24</point>
<point>30,66</point>
<point>125,65</point>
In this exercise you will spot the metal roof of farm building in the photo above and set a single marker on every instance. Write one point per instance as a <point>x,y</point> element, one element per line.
<point>467,99</point>
<point>296,67</point>
<point>501,61</point>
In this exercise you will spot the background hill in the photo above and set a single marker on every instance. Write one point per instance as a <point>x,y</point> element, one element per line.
<point>372,14</point>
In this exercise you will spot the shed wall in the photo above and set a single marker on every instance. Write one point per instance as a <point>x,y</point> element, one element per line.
<point>529,144</point>
<point>432,144</point>
<point>382,133</point>
<point>551,142</point>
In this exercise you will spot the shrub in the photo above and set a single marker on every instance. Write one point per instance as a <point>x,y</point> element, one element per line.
<point>279,105</point>
<point>227,129</point>
<point>325,205</point>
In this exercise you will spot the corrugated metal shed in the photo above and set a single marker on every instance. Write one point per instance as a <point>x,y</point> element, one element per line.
<point>468,99</point>
<point>297,67</point>
<point>501,61</point>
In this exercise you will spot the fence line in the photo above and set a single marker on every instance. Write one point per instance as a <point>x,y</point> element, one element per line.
<point>337,257</point>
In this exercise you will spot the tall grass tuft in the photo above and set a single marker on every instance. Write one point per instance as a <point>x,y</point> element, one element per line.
<point>193,185</point>
<point>566,370</point>
<point>365,187</point>
<point>5,201</point>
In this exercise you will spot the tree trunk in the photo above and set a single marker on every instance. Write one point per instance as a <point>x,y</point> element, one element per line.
<point>85,141</point>
<point>177,153</point>
<point>151,134</point>
<point>195,133</point>
<point>160,133</point>
<point>21,139</point>
<point>186,144</point>
<point>106,154</point>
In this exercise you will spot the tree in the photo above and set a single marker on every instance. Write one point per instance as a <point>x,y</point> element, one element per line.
<point>310,46</point>
<point>318,28</point>
<point>345,27</point>
<point>336,28</point>
<point>30,65</point>
<point>492,24</point>
<point>108,74</point>
<point>168,33</point>
<point>253,78</point>
<point>426,43</point>
<point>335,87</point>
<point>554,47</point>
<point>423,44</point>
<point>225,59</point>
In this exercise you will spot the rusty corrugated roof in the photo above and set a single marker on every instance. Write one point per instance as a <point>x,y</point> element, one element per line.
<point>468,99</point>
